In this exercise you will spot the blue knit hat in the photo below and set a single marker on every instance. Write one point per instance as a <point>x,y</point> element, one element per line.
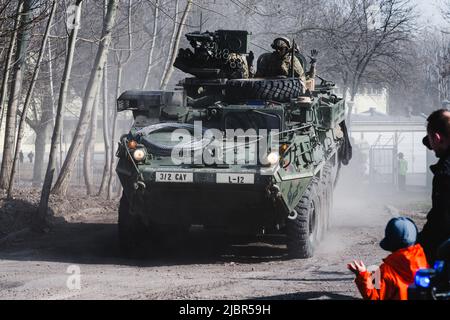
<point>400,233</point>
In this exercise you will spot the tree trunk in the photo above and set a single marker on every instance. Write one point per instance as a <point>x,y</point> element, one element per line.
<point>2,113</point>
<point>353,91</point>
<point>39,219</point>
<point>113,135</point>
<point>89,149</point>
<point>27,105</point>
<point>172,40</point>
<point>173,54</point>
<point>350,106</point>
<point>152,48</point>
<point>7,67</point>
<point>106,139</point>
<point>52,95</point>
<point>41,129</point>
<point>63,180</point>
<point>112,181</point>
<point>39,151</point>
<point>14,97</point>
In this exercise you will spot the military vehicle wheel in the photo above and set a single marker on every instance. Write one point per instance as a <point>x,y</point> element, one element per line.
<point>302,232</point>
<point>131,230</point>
<point>281,90</point>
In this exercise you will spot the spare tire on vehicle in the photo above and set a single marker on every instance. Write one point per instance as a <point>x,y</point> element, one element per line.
<point>280,89</point>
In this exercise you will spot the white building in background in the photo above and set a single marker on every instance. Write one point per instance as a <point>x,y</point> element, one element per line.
<point>371,99</point>
<point>381,137</point>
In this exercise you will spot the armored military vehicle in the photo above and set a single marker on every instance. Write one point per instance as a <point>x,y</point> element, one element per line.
<point>230,152</point>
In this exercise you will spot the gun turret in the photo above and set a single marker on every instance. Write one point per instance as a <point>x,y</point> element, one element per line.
<point>220,54</point>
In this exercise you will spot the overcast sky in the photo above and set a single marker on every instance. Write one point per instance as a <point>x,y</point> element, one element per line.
<point>429,11</point>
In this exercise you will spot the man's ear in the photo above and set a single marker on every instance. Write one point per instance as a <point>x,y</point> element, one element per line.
<point>437,137</point>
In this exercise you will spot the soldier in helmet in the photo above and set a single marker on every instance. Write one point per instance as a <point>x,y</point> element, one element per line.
<point>278,63</point>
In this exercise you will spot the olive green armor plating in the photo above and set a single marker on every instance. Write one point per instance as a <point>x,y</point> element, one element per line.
<point>230,152</point>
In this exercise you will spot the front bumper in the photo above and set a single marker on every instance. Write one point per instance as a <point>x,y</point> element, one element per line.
<point>206,200</point>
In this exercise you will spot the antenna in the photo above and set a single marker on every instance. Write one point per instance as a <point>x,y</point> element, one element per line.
<point>292,59</point>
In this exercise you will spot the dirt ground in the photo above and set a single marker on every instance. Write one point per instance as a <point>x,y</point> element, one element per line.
<point>46,266</point>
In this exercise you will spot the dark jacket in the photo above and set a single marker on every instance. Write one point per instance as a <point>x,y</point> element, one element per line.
<point>437,227</point>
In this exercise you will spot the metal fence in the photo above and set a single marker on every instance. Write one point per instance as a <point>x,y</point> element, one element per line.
<point>382,164</point>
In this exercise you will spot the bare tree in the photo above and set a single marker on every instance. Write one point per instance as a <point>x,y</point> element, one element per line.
<point>153,44</point>
<point>121,62</point>
<point>172,40</point>
<point>15,94</point>
<point>41,122</point>
<point>106,136</point>
<point>173,54</point>
<point>363,33</point>
<point>28,98</point>
<point>52,95</point>
<point>39,220</point>
<point>63,180</point>
<point>89,148</point>
<point>7,67</point>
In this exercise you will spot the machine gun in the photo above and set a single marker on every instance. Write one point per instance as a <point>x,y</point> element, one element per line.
<point>215,55</point>
<point>325,85</point>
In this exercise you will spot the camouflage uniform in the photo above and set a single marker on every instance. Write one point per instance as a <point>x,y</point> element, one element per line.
<point>274,66</point>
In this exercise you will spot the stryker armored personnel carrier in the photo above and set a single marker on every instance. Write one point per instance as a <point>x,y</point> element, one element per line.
<point>230,152</point>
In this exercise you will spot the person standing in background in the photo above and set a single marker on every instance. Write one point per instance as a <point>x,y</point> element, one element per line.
<point>402,170</point>
<point>30,156</point>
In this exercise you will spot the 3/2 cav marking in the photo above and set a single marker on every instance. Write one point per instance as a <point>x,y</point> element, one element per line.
<point>174,177</point>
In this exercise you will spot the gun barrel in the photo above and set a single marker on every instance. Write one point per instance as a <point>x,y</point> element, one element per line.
<point>199,37</point>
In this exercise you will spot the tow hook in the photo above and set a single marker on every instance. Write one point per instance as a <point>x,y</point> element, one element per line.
<point>139,185</point>
<point>293,215</point>
<point>273,192</point>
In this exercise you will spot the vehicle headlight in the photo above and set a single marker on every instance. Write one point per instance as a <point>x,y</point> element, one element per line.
<point>283,148</point>
<point>132,144</point>
<point>273,158</point>
<point>139,154</point>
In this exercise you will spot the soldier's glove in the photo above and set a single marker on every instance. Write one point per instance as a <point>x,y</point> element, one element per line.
<point>313,56</point>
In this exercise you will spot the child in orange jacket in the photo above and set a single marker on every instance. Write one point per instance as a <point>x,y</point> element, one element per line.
<point>398,270</point>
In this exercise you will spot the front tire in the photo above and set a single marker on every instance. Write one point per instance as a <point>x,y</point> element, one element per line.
<point>303,232</point>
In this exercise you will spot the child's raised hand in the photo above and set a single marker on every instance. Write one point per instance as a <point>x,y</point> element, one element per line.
<point>356,267</point>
